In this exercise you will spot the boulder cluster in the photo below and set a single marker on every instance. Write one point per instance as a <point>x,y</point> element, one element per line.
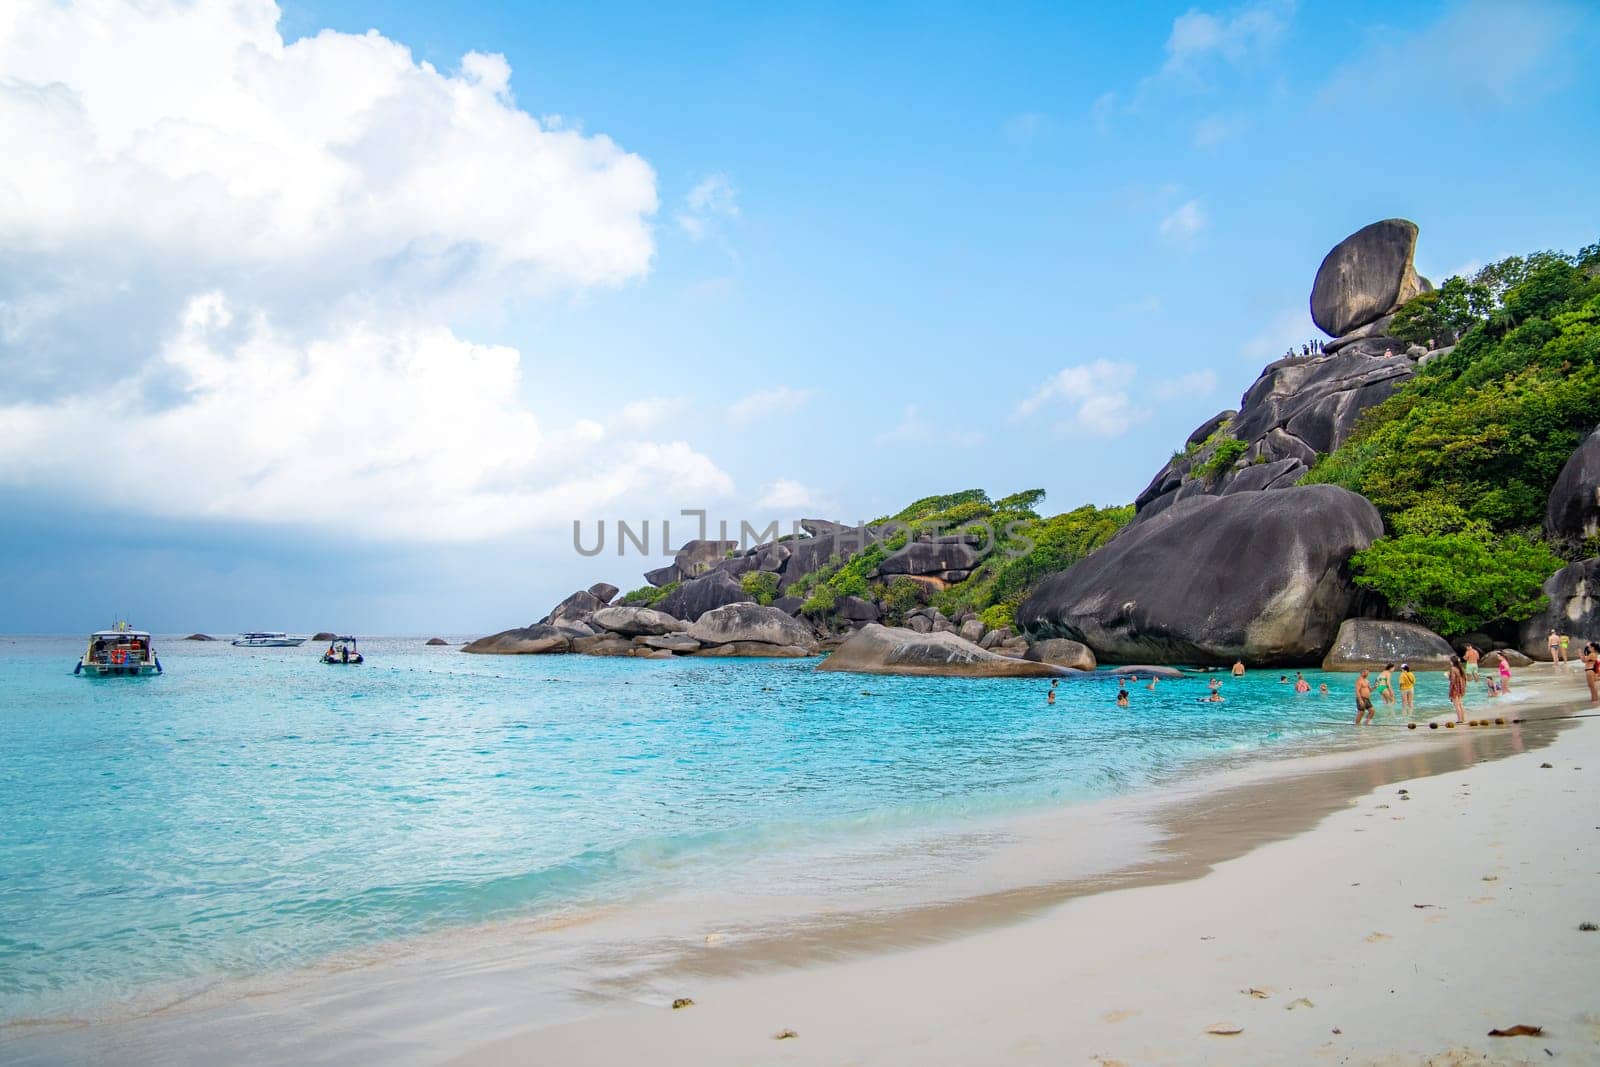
<point>709,613</point>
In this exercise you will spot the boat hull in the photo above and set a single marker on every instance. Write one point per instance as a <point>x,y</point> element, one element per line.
<point>118,670</point>
<point>275,642</point>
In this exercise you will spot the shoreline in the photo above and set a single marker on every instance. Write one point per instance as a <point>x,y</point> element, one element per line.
<point>409,1005</point>
<point>1290,934</point>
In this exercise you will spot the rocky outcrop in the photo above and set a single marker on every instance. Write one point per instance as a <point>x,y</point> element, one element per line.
<point>698,557</point>
<point>1297,408</point>
<point>1261,577</point>
<point>682,644</point>
<point>934,558</point>
<point>436,641</point>
<point>697,596</point>
<point>757,648</point>
<point>199,637</point>
<point>576,608</point>
<point>525,641</point>
<point>1574,609</point>
<point>636,622</point>
<point>1572,513</point>
<point>876,649</point>
<point>752,624</point>
<point>1365,276</point>
<point>1061,652</point>
<point>604,644</point>
<point>324,635</point>
<point>604,592</point>
<point>1363,643</point>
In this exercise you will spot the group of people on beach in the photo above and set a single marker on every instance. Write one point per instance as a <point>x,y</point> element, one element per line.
<point>1462,671</point>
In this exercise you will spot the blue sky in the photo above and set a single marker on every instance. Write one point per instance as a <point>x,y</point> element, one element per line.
<point>629,259</point>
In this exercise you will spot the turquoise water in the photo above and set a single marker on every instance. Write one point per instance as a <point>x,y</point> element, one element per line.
<point>254,809</point>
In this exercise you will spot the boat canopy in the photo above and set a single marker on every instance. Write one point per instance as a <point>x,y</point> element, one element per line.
<point>120,633</point>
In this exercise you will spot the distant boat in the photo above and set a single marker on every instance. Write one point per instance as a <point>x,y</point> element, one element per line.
<point>121,651</point>
<point>342,651</point>
<point>266,639</point>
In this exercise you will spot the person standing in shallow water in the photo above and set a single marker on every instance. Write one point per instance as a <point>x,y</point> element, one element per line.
<point>1050,698</point>
<point>1470,662</point>
<point>1238,668</point>
<point>1364,699</point>
<point>1386,684</point>
<point>1458,688</point>
<point>1408,687</point>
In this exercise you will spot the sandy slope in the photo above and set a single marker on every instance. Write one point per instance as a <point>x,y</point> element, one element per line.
<point>1397,931</point>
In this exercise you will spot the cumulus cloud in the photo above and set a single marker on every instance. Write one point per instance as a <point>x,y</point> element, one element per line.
<point>712,200</point>
<point>786,494</point>
<point>239,258</point>
<point>411,434</point>
<point>651,412</point>
<point>764,403</point>
<point>1182,224</point>
<point>1088,398</point>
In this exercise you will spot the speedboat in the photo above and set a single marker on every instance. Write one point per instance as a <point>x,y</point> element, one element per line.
<point>268,639</point>
<point>342,652</point>
<point>121,651</point>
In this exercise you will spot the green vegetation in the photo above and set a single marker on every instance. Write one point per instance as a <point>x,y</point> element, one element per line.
<point>1453,573</point>
<point>761,586</point>
<point>900,596</point>
<point>1027,551</point>
<point>1461,459</point>
<point>820,602</point>
<point>1225,452</point>
<point>646,595</point>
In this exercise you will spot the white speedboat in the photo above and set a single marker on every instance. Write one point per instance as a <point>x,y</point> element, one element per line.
<point>119,651</point>
<point>265,639</point>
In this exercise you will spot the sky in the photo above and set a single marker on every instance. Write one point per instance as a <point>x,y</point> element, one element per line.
<point>340,315</point>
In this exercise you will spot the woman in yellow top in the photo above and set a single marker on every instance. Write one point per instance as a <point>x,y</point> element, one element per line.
<point>1408,686</point>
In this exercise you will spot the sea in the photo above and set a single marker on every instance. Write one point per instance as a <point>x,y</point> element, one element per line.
<point>253,811</point>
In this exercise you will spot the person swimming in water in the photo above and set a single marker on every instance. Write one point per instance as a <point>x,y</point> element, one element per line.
<point>1300,683</point>
<point>1122,698</point>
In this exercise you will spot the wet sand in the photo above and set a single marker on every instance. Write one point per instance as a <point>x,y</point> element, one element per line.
<point>1372,925</point>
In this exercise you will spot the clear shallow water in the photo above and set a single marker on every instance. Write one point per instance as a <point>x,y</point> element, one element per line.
<point>255,809</point>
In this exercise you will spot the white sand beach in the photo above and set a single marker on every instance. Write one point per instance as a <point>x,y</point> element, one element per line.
<point>1399,930</point>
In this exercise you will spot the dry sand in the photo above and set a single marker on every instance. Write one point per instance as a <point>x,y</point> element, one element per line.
<point>1401,928</point>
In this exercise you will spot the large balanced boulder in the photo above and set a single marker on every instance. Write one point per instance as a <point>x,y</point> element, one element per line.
<point>750,624</point>
<point>524,641</point>
<point>1261,577</point>
<point>697,596</point>
<point>1363,643</point>
<point>636,622</point>
<point>604,592</point>
<point>1365,276</point>
<point>876,649</point>
<point>1573,510</point>
<point>1574,610</point>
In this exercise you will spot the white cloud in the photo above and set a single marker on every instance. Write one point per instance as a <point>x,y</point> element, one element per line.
<point>1181,225</point>
<point>786,494</point>
<point>1102,110</point>
<point>239,259</point>
<point>781,400</point>
<point>1288,329</point>
<point>1089,398</point>
<point>712,200</point>
<point>1202,37</point>
<point>651,412</point>
<point>410,434</point>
